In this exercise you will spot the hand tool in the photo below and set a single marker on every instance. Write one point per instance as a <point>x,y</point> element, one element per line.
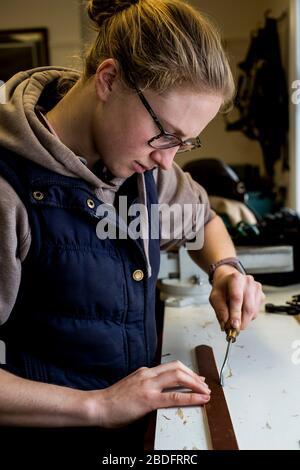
<point>231,335</point>
<point>289,309</point>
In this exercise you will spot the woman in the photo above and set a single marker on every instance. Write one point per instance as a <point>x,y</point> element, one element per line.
<point>77,309</point>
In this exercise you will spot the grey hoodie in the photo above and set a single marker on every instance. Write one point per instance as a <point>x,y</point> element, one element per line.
<point>23,132</point>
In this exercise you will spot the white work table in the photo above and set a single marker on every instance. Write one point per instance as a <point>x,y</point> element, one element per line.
<point>262,387</point>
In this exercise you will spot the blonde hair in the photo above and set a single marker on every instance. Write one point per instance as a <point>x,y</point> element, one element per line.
<point>159,44</point>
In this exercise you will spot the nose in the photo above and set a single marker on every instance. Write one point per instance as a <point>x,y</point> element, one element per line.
<point>164,157</point>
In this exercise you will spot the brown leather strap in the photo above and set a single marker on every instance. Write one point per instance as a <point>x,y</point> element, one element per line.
<point>149,436</point>
<point>219,421</point>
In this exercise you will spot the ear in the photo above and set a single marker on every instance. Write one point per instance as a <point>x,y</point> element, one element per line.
<point>105,78</point>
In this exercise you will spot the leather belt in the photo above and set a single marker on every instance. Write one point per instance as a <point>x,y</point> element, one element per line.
<point>218,417</point>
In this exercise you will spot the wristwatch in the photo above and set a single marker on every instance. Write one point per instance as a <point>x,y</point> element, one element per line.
<point>235,262</point>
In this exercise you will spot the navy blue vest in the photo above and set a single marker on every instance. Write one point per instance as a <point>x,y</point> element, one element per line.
<point>80,318</point>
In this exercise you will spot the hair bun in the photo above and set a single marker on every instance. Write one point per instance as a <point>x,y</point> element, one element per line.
<point>100,10</point>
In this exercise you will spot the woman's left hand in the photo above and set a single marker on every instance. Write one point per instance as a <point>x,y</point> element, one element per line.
<point>236,298</point>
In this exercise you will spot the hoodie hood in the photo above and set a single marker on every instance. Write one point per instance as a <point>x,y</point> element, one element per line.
<point>22,131</point>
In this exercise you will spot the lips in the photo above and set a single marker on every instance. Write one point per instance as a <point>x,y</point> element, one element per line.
<point>139,168</point>
<point>146,168</point>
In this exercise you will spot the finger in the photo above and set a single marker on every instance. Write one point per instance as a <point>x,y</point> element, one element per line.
<point>259,297</point>
<point>176,365</point>
<point>170,399</point>
<point>252,302</point>
<point>249,307</point>
<point>219,305</point>
<point>260,294</point>
<point>235,296</point>
<point>180,378</point>
<point>248,312</point>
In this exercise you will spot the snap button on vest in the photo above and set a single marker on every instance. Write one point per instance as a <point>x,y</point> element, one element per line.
<point>138,275</point>
<point>90,203</point>
<point>38,195</point>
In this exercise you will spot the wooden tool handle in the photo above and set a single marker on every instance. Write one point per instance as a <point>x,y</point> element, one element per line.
<point>231,334</point>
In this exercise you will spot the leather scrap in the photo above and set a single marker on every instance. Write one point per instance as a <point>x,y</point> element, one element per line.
<point>218,417</point>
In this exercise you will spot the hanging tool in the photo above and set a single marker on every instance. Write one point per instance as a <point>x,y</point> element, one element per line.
<point>231,335</point>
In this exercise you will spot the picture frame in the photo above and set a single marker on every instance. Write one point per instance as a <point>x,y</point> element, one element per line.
<point>22,49</point>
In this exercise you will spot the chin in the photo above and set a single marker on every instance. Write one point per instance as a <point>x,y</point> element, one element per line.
<point>122,173</point>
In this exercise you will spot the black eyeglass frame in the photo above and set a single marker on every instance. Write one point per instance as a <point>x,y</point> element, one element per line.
<point>182,144</point>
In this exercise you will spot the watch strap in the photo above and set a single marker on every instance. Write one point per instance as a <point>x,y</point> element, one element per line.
<point>233,261</point>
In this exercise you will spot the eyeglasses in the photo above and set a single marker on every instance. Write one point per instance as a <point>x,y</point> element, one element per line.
<point>166,140</point>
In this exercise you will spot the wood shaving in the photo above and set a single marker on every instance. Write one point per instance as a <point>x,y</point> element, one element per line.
<point>267,426</point>
<point>179,413</point>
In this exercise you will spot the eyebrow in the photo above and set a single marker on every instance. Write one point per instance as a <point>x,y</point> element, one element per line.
<point>168,125</point>
<point>178,132</point>
<point>161,120</point>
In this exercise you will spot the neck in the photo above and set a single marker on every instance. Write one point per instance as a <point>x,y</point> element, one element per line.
<point>71,119</point>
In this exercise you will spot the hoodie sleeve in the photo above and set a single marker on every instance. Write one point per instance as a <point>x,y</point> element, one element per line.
<point>15,241</point>
<point>176,187</point>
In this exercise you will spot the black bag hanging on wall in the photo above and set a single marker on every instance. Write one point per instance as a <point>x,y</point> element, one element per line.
<point>262,96</point>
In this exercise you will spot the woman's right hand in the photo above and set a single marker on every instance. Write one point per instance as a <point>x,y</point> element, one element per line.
<point>146,390</point>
